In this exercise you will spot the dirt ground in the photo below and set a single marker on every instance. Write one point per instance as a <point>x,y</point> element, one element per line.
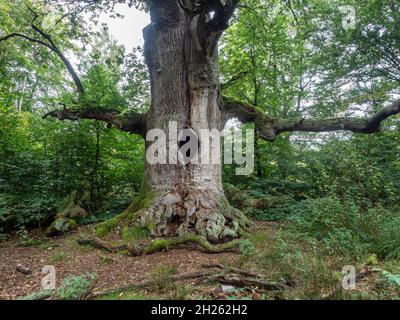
<point>113,269</point>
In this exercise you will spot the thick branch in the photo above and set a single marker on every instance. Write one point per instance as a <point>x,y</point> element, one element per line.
<point>270,128</point>
<point>15,34</point>
<point>130,122</point>
<point>211,18</point>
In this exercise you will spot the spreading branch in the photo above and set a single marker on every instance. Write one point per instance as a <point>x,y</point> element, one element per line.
<point>130,122</point>
<point>270,128</point>
<point>47,41</point>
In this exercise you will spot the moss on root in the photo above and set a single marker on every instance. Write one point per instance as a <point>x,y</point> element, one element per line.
<point>142,201</point>
<point>165,244</point>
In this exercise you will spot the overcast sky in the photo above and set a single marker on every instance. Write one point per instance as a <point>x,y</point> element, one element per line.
<point>128,30</point>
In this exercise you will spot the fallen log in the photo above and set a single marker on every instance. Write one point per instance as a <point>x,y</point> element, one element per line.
<point>243,278</point>
<point>231,269</point>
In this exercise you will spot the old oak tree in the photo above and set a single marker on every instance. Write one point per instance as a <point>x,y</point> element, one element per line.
<point>181,53</point>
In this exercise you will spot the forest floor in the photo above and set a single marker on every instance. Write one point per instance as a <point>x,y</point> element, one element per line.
<point>112,269</point>
<point>315,280</point>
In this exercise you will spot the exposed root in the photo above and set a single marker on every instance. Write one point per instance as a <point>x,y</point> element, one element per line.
<point>188,241</point>
<point>150,283</point>
<point>141,203</point>
<point>100,244</point>
<point>180,212</point>
<point>242,278</point>
<point>191,241</point>
<point>194,210</point>
<point>215,274</point>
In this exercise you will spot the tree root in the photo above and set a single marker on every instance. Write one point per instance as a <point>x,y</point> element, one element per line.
<point>149,283</point>
<point>219,274</point>
<point>100,244</point>
<point>88,293</point>
<point>139,248</point>
<point>243,278</point>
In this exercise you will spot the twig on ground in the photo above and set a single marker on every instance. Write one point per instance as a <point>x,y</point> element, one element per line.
<point>25,270</point>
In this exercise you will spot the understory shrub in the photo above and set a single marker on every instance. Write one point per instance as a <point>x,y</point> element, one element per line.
<point>345,227</point>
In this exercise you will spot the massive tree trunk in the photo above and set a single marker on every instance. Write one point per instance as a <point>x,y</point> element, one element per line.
<point>185,89</point>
